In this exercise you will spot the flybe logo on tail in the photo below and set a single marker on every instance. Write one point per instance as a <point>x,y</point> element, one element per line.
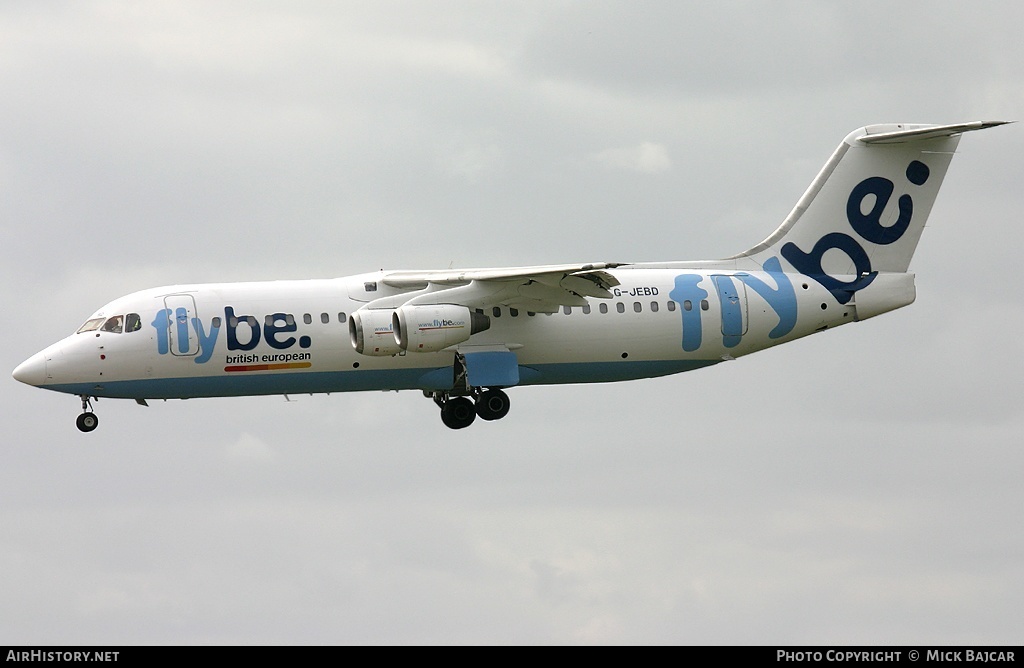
<point>868,227</point>
<point>179,333</point>
<point>865,207</point>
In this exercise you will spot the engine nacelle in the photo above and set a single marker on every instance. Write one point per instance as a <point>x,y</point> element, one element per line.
<point>371,332</point>
<point>427,329</point>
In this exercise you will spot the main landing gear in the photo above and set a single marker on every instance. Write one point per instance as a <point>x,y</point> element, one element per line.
<point>460,412</point>
<point>87,421</point>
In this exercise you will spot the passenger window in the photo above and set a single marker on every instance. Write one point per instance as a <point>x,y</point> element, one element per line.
<point>638,307</point>
<point>273,320</point>
<point>620,307</point>
<point>654,307</point>
<point>114,324</point>
<point>307,318</point>
<point>530,313</point>
<point>671,306</point>
<point>704,306</point>
<point>214,324</point>
<point>602,307</point>
<point>325,318</point>
<point>251,321</point>
<point>132,322</point>
<point>370,286</point>
<point>567,310</point>
<point>586,309</point>
<point>513,312</point>
<point>341,316</point>
<point>687,305</point>
<point>496,311</point>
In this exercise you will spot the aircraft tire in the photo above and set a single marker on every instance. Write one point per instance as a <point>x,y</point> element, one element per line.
<point>492,405</point>
<point>458,413</point>
<point>87,422</point>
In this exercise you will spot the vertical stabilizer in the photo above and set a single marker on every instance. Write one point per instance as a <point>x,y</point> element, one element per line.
<point>865,211</point>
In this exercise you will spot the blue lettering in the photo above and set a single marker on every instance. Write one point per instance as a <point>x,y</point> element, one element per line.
<point>732,311</point>
<point>207,339</point>
<point>271,329</point>
<point>918,172</point>
<point>869,225</point>
<point>206,342</point>
<point>181,317</point>
<point>233,322</point>
<point>688,290</point>
<point>782,298</point>
<point>162,323</point>
<point>810,264</point>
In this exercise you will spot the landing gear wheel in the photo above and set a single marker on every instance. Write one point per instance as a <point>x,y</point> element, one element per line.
<point>492,405</point>
<point>87,422</point>
<point>458,413</point>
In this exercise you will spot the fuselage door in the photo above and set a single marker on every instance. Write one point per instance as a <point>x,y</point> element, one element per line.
<point>734,308</point>
<point>181,335</point>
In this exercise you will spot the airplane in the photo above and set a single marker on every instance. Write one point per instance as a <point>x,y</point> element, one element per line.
<point>464,336</point>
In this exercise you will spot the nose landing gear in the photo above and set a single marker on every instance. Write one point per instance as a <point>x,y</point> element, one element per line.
<point>87,421</point>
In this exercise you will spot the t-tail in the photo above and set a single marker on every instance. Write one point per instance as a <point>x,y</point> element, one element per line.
<point>861,218</point>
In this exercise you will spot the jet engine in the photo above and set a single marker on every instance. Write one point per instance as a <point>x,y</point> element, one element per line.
<point>371,333</point>
<point>427,329</point>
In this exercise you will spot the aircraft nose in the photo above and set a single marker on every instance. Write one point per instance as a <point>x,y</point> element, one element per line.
<point>32,371</point>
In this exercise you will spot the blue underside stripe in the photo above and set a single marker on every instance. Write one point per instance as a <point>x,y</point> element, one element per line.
<point>354,381</point>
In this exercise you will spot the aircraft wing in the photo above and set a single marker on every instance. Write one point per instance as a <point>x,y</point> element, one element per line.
<point>541,289</point>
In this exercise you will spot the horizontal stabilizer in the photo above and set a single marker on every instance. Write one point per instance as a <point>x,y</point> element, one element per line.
<point>921,132</point>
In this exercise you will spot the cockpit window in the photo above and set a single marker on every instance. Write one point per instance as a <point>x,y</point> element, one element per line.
<point>114,324</point>
<point>90,325</point>
<point>132,322</point>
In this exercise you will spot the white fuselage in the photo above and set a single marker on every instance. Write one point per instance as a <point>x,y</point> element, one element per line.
<point>283,337</point>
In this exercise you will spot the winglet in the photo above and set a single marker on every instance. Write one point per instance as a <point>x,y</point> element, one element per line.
<point>919,132</point>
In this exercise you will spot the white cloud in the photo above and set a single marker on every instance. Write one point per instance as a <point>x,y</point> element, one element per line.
<point>646,157</point>
<point>251,449</point>
<point>471,162</point>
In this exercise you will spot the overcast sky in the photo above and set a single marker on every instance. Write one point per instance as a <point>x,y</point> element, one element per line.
<point>859,486</point>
